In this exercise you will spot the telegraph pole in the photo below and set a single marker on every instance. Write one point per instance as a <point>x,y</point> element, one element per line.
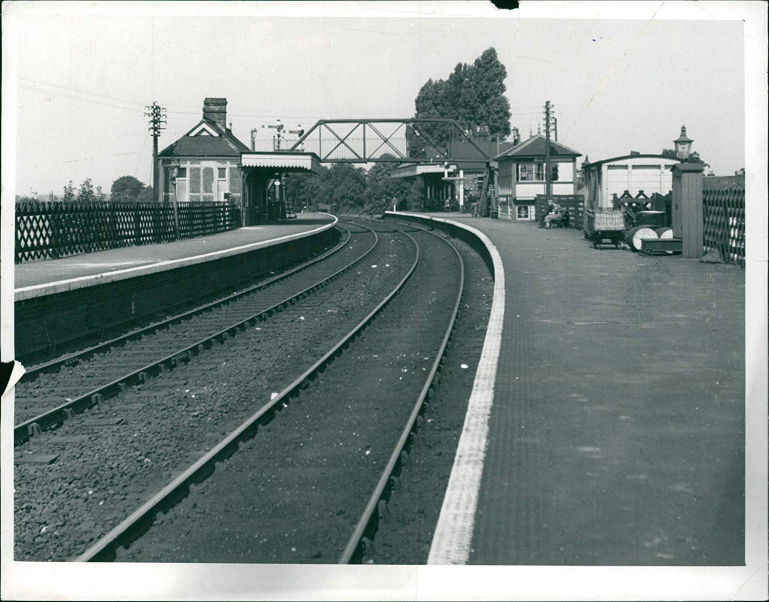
<point>547,149</point>
<point>157,117</point>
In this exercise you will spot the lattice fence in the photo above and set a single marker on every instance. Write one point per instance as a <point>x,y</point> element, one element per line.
<point>47,230</point>
<point>201,219</point>
<point>724,227</point>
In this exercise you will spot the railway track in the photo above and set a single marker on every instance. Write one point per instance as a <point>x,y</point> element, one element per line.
<point>390,410</point>
<point>115,455</point>
<point>56,390</point>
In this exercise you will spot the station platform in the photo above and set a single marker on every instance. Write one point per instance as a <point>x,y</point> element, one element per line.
<point>61,304</point>
<point>615,435</point>
<point>51,276</point>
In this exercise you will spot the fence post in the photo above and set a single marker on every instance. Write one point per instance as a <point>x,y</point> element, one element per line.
<point>137,224</point>
<point>688,222</point>
<point>176,218</point>
<point>53,221</point>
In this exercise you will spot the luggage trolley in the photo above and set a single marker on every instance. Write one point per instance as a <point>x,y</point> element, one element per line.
<point>605,225</point>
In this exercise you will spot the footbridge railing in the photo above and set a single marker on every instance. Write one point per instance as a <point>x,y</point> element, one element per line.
<point>407,140</point>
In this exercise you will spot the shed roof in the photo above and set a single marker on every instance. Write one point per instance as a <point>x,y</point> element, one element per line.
<point>535,147</point>
<point>633,156</point>
<point>223,144</point>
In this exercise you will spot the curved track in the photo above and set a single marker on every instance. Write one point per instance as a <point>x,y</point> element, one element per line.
<point>102,464</point>
<point>422,291</point>
<point>52,392</point>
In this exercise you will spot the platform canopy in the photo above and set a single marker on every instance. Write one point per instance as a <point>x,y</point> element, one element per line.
<point>281,161</point>
<point>410,171</point>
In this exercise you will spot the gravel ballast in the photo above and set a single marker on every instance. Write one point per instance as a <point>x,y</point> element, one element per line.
<point>167,423</point>
<point>294,492</point>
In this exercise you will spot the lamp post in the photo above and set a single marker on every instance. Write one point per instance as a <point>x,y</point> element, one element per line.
<point>687,214</point>
<point>173,172</point>
<point>683,145</point>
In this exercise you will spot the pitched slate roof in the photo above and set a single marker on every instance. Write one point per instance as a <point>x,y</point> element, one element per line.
<point>535,147</point>
<point>463,150</point>
<point>205,145</point>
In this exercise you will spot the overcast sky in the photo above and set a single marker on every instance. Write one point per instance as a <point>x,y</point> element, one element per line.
<point>616,85</point>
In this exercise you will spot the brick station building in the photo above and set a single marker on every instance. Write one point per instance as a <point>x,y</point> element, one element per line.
<point>210,164</point>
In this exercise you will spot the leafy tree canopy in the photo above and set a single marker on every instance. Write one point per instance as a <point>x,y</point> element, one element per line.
<point>69,192</point>
<point>86,192</point>
<point>473,95</point>
<point>351,189</point>
<point>126,188</point>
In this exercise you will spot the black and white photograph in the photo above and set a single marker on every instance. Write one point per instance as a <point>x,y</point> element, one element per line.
<point>384,300</point>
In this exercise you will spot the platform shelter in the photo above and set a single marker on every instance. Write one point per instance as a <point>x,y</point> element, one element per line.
<point>209,164</point>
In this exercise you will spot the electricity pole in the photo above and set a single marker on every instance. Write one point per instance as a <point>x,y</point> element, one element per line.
<point>157,117</point>
<point>547,149</point>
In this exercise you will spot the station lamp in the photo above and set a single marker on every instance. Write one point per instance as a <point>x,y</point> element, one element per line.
<point>683,145</point>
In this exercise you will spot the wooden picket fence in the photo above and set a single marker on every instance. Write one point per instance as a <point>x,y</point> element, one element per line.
<point>724,223</point>
<point>49,230</point>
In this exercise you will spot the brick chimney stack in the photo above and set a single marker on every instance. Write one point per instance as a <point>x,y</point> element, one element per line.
<point>215,109</point>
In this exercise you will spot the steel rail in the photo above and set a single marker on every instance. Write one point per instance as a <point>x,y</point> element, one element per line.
<point>52,365</point>
<point>141,520</point>
<point>361,540</point>
<point>57,415</point>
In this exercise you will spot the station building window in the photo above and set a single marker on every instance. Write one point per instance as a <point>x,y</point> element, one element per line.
<point>222,173</point>
<point>182,186</point>
<point>535,172</point>
<point>523,212</point>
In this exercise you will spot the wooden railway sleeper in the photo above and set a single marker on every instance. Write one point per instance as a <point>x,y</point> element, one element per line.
<point>383,510</point>
<point>367,550</point>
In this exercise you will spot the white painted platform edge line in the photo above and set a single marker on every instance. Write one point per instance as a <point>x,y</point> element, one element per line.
<point>155,267</point>
<point>454,531</point>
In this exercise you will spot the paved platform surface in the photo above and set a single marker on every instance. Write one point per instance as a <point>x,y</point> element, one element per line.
<point>105,262</point>
<point>616,436</point>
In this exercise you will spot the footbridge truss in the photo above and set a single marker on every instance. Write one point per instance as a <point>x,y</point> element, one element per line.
<point>413,140</point>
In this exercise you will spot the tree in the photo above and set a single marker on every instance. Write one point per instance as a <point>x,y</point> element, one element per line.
<point>473,95</point>
<point>69,192</point>
<point>383,190</point>
<point>100,195</point>
<point>347,185</point>
<point>147,195</point>
<point>126,188</point>
<point>86,193</point>
<point>693,157</point>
